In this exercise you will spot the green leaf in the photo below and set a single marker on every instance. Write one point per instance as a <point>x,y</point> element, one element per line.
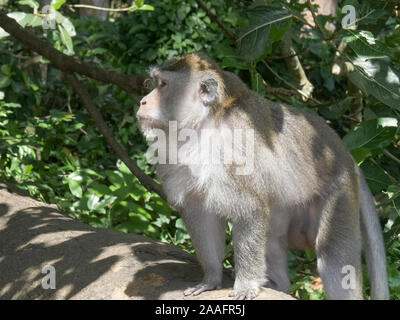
<point>56,4</point>
<point>4,82</point>
<point>134,208</point>
<point>360,154</point>
<point>376,177</point>
<point>139,3</point>
<point>146,7</point>
<point>257,83</point>
<point>374,73</point>
<point>92,173</point>
<point>393,192</point>
<point>108,199</point>
<point>136,224</point>
<point>66,40</point>
<point>336,110</point>
<point>116,178</point>
<point>6,70</point>
<point>372,134</point>
<point>75,188</point>
<point>99,188</point>
<point>179,224</point>
<point>365,45</point>
<point>76,176</point>
<point>92,202</point>
<point>254,41</point>
<point>66,23</point>
<point>31,20</point>
<point>180,236</point>
<point>31,3</point>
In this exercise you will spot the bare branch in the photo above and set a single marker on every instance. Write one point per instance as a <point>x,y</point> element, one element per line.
<point>296,69</point>
<point>129,83</point>
<point>86,6</point>
<point>87,102</point>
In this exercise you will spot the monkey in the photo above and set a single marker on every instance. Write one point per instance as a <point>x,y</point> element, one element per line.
<point>301,190</point>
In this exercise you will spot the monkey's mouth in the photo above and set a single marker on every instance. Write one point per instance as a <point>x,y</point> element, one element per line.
<point>151,122</point>
<point>147,123</point>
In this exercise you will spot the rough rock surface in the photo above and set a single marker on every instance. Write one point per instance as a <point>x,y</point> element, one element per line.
<point>89,263</point>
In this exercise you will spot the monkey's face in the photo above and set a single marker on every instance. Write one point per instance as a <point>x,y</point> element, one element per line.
<point>180,96</point>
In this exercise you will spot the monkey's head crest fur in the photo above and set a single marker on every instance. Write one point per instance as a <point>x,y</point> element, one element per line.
<point>203,66</point>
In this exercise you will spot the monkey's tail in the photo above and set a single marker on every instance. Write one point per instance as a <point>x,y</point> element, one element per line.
<point>373,243</point>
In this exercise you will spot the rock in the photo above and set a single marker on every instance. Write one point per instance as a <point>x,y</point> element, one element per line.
<point>89,263</point>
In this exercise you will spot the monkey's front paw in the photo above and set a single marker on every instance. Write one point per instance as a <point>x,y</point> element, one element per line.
<point>245,292</point>
<point>201,287</point>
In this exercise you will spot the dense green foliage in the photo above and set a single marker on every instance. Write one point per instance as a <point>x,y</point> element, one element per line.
<point>50,147</point>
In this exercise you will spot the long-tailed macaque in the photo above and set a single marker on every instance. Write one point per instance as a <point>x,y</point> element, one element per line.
<point>288,181</point>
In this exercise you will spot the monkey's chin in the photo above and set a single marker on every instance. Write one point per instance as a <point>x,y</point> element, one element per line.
<point>149,127</point>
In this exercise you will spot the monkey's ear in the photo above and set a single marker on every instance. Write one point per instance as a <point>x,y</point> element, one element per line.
<point>208,90</point>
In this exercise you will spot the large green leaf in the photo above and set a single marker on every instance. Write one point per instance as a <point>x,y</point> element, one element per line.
<point>376,177</point>
<point>372,134</point>
<point>268,24</point>
<point>374,73</point>
<point>66,40</point>
<point>75,188</point>
<point>365,45</point>
<point>66,23</point>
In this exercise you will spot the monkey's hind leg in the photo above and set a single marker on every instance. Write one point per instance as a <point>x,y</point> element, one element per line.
<point>207,232</point>
<point>277,264</point>
<point>338,246</point>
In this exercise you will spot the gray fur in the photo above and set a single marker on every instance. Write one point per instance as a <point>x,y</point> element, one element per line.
<point>304,191</point>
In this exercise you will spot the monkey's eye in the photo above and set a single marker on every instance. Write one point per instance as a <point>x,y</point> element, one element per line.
<point>162,83</point>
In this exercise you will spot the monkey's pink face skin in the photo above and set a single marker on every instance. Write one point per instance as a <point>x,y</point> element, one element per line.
<point>176,97</point>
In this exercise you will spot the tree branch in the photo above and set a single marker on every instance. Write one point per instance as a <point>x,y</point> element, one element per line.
<point>129,83</point>
<point>87,102</point>
<point>296,69</point>
<point>67,64</point>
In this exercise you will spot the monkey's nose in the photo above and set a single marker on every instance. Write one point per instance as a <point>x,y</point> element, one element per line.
<point>143,102</point>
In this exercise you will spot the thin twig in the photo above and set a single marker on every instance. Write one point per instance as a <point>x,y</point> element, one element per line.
<point>392,179</point>
<point>391,156</point>
<point>326,38</point>
<point>286,56</point>
<point>280,91</point>
<point>17,56</point>
<point>228,32</point>
<point>288,83</point>
<point>71,6</point>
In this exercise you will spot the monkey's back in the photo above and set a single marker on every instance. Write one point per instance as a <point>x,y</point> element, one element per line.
<point>297,155</point>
